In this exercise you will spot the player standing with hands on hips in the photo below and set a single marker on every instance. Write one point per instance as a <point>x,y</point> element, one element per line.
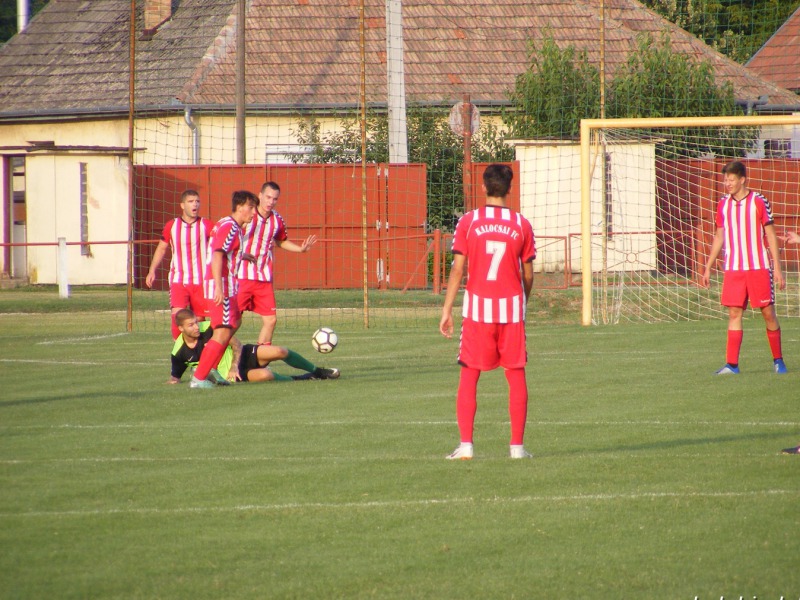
<point>744,222</point>
<point>496,247</point>
<point>187,235</point>
<point>266,230</point>
<point>221,285</point>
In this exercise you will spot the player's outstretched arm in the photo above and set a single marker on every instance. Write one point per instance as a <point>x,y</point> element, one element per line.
<point>292,247</point>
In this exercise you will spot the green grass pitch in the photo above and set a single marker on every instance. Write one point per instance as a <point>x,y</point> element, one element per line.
<point>651,477</point>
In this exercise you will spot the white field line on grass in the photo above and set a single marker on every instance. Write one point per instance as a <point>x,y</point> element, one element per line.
<point>293,459</point>
<point>88,338</point>
<point>84,363</point>
<point>381,504</point>
<point>395,423</point>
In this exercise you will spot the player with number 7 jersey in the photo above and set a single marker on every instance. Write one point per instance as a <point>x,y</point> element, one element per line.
<point>495,248</point>
<point>496,239</point>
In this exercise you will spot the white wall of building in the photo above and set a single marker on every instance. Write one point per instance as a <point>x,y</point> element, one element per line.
<point>53,186</point>
<point>550,197</point>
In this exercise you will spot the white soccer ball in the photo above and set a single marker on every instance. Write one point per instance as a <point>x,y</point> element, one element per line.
<point>324,340</point>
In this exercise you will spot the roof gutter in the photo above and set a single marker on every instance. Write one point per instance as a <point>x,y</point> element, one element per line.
<point>105,112</point>
<point>780,108</point>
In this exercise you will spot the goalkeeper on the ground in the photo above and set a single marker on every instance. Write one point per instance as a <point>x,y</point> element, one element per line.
<point>240,362</point>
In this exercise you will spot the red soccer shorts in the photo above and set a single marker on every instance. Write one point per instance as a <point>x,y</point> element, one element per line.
<point>486,346</point>
<point>739,287</point>
<point>258,296</point>
<point>226,314</point>
<point>188,296</point>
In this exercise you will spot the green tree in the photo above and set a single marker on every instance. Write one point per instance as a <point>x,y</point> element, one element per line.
<point>655,81</point>
<point>736,28</point>
<point>8,16</point>
<point>430,141</point>
<point>560,88</point>
<point>554,93</point>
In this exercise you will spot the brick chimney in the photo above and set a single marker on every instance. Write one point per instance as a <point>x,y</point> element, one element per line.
<point>156,13</point>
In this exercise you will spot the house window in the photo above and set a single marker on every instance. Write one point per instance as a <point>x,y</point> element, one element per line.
<point>85,249</point>
<point>777,148</point>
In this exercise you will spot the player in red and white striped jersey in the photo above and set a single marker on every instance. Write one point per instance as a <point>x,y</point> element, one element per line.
<point>187,236</point>
<point>496,247</point>
<point>261,235</point>
<point>221,285</point>
<point>746,231</point>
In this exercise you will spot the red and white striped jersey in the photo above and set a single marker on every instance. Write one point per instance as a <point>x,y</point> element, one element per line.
<point>496,241</point>
<point>259,240</point>
<point>226,237</point>
<point>743,222</point>
<point>188,243</point>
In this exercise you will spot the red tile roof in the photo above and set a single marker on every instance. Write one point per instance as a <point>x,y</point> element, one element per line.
<point>74,55</point>
<point>779,59</point>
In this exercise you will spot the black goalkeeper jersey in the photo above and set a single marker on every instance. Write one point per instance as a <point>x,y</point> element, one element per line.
<point>184,357</point>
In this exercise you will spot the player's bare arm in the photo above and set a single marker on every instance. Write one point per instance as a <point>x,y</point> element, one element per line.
<point>158,256</point>
<point>716,248</point>
<point>453,284</point>
<point>791,238</point>
<point>772,242</point>
<point>527,279</point>
<point>236,346</point>
<point>216,273</point>
<point>292,247</point>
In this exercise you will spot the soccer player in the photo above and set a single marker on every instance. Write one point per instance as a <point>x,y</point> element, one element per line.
<point>222,256</point>
<point>744,222</point>
<point>187,236</point>
<point>496,247</point>
<point>239,362</point>
<point>261,235</point>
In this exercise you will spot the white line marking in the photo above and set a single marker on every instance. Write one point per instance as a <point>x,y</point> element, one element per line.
<point>394,503</point>
<point>390,423</point>
<point>73,362</point>
<point>81,339</point>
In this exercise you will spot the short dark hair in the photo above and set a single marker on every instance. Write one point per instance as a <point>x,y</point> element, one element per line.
<point>497,180</point>
<point>187,193</point>
<point>183,315</point>
<point>735,168</point>
<point>270,184</point>
<point>241,197</point>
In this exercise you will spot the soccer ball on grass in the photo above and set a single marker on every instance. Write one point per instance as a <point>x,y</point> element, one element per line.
<point>324,340</point>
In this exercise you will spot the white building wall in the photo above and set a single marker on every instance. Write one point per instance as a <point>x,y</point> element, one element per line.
<point>53,179</point>
<point>550,197</point>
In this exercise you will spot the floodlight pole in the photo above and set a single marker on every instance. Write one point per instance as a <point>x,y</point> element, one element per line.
<point>241,155</point>
<point>395,77</point>
<point>131,174</point>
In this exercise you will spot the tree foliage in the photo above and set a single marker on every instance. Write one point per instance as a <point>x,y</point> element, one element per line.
<point>736,28</point>
<point>430,141</point>
<point>554,93</point>
<point>8,16</point>
<point>561,88</point>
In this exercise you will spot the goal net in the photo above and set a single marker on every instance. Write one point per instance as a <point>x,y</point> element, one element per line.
<point>649,191</point>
